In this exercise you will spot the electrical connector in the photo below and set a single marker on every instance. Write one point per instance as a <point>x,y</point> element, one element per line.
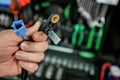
<point>19,28</point>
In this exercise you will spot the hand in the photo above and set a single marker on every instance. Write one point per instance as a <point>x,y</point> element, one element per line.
<point>16,54</point>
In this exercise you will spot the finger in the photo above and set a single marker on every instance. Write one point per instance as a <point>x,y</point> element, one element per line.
<point>28,56</point>
<point>29,66</point>
<point>33,29</point>
<point>9,35</point>
<point>39,36</point>
<point>34,46</point>
<point>9,51</point>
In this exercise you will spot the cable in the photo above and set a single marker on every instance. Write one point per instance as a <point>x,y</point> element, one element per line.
<point>24,74</point>
<point>104,66</point>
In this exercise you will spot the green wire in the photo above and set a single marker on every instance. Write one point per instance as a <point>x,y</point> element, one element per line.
<point>90,38</point>
<point>99,38</point>
<point>81,32</point>
<point>45,4</point>
<point>74,35</point>
<point>85,54</point>
<point>67,11</point>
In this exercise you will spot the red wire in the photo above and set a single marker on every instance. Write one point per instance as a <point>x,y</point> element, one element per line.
<point>104,66</point>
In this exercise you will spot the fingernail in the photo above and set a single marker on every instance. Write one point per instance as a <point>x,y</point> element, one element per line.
<point>24,45</point>
<point>18,55</point>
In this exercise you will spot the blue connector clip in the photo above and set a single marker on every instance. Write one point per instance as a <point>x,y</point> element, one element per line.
<point>19,28</point>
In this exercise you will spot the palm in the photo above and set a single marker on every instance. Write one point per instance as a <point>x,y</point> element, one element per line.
<point>9,45</point>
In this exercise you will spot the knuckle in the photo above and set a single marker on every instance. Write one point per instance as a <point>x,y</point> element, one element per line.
<point>36,67</point>
<point>45,45</point>
<point>33,68</point>
<point>42,56</point>
<point>27,56</point>
<point>24,45</point>
<point>12,50</point>
<point>24,56</point>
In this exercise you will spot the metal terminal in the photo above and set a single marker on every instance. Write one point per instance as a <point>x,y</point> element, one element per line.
<point>55,18</point>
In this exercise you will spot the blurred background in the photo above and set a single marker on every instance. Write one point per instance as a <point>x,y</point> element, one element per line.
<point>89,32</point>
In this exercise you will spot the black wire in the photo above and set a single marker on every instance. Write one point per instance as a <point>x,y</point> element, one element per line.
<point>24,74</point>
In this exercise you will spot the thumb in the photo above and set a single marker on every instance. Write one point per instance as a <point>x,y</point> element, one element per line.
<point>33,29</point>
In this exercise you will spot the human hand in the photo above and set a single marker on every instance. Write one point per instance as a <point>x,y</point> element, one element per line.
<point>16,54</point>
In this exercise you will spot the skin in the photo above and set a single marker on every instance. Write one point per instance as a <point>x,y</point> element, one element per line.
<point>16,54</point>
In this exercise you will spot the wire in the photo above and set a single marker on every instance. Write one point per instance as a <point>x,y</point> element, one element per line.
<point>24,74</point>
<point>104,66</point>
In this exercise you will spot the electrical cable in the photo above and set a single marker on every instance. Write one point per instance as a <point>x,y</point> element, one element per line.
<point>104,66</point>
